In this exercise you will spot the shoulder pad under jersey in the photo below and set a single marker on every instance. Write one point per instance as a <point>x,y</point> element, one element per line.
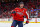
<point>25,9</point>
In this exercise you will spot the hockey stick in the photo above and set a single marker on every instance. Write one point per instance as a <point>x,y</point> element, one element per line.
<point>25,24</point>
<point>27,20</point>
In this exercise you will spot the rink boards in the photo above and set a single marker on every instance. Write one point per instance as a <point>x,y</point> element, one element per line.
<point>33,20</point>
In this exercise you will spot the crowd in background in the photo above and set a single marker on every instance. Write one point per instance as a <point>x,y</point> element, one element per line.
<point>33,8</point>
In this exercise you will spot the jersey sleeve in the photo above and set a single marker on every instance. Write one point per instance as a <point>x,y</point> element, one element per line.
<point>27,17</point>
<point>26,14</point>
<point>13,13</point>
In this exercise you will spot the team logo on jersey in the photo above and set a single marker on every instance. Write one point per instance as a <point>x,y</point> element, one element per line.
<point>20,13</point>
<point>17,10</point>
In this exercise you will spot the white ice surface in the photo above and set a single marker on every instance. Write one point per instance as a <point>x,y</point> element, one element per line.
<point>27,25</point>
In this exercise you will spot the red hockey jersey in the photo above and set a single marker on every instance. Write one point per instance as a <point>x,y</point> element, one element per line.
<point>19,14</point>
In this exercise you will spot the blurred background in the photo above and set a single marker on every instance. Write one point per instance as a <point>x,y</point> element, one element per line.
<point>32,6</point>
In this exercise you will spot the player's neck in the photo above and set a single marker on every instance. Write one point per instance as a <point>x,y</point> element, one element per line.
<point>20,7</point>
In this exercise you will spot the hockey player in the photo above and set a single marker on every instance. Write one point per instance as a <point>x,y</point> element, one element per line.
<point>18,15</point>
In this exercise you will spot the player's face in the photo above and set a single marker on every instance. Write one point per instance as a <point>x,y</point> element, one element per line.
<point>21,5</point>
